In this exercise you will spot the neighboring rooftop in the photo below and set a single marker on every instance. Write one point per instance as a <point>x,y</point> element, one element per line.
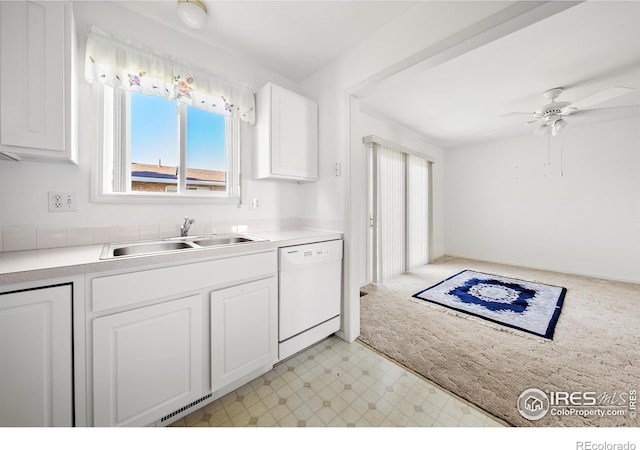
<point>169,172</point>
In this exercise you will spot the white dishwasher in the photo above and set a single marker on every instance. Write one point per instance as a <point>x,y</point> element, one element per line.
<point>310,293</point>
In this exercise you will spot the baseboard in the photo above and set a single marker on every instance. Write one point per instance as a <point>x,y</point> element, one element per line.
<point>546,269</point>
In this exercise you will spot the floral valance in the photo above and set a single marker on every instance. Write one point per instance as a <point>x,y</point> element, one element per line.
<point>125,65</point>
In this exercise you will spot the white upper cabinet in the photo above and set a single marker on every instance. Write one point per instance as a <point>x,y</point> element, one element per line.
<point>38,46</point>
<point>286,135</point>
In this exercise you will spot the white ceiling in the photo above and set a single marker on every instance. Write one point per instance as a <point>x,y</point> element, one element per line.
<point>292,38</point>
<point>585,49</point>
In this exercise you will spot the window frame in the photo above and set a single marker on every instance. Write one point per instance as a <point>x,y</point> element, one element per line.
<point>113,106</point>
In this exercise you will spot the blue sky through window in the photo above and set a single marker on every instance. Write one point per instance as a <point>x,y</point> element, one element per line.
<point>154,134</point>
<point>206,147</point>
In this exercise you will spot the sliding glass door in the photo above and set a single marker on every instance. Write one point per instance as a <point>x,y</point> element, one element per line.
<point>399,216</point>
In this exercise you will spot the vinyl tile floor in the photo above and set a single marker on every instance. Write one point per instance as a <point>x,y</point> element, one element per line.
<point>336,384</point>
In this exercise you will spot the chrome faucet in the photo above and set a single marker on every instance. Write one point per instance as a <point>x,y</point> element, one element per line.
<point>184,229</point>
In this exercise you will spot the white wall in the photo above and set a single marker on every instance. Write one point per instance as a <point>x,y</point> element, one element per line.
<point>331,200</point>
<point>418,28</point>
<point>504,204</point>
<point>24,185</point>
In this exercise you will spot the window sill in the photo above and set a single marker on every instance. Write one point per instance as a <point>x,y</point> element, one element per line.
<point>163,198</point>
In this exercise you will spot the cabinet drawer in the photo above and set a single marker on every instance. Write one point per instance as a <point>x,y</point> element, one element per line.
<point>116,291</point>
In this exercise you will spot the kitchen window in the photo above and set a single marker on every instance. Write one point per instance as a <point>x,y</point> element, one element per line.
<point>159,148</point>
<point>170,130</point>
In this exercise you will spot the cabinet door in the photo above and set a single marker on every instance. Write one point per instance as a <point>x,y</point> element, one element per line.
<point>244,334</point>
<point>294,135</point>
<point>147,362</point>
<point>35,358</point>
<point>37,79</point>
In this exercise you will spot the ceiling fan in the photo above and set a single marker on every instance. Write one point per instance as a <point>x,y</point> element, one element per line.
<point>550,117</point>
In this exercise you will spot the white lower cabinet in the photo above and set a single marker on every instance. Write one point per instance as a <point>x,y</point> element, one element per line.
<point>147,362</point>
<point>164,340</point>
<point>36,387</point>
<point>244,330</point>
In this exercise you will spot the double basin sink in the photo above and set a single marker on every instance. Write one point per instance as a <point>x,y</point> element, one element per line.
<point>171,245</point>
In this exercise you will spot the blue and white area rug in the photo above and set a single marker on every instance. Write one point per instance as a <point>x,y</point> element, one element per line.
<point>523,305</point>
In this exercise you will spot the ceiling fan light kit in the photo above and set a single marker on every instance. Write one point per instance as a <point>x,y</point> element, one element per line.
<point>540,130</point>
<point>558,125</point>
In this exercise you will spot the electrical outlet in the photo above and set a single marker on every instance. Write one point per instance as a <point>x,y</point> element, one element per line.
<point>62,201</point>
<point>255,204</point>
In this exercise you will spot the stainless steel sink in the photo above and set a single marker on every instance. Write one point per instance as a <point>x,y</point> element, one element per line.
<point>223,241</point>
<point>143,248</point>
<point>171,245</point>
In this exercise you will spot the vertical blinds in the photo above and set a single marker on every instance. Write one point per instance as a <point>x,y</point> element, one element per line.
<point>391,211</point>
<point>417,211</point>
<point>401,196</point>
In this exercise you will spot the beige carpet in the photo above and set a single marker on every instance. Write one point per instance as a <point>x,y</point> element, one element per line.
<point>596,346</point>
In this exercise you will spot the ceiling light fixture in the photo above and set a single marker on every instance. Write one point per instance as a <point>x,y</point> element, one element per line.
<point>558,125</point>
<point>193,13</point>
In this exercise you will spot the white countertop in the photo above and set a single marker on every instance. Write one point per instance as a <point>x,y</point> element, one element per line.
<point>33,265</point>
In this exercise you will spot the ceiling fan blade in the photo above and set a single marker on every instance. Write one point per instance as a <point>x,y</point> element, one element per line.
<point>568,111</point>
<point>629,108</point>
<point>611,112</point>
<point>517,114</point>
<point>601,96</point>
<point>491,133</point>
